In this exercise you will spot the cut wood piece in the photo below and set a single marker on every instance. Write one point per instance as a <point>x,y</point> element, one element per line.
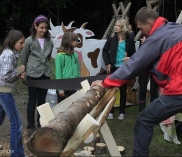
<point>46,114</point>
<point>100,148</point>
<point>86,152</point>
<point>52,139</point>
<point>121,149</point>
<point>89,148</point>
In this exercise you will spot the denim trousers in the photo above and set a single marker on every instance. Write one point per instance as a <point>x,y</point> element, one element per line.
<point>37,97</point>
<point>8,107</point>
<point>158,110</point>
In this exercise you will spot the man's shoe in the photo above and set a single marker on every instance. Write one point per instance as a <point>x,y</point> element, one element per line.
<point>110,116</point>
<point>121,116</point>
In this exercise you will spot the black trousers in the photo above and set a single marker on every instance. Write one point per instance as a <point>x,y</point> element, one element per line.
<point>67,94</point>
<point>123,95</point>
<point>143,81</point>
<point>36,98</point>
<point>158,110</point>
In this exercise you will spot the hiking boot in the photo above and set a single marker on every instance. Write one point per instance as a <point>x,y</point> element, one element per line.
<point>110,116</point>
<point>121,116</point>
<point>30,131</point>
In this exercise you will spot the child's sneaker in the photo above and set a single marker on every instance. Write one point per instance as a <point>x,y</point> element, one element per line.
<point>110,116</point>
<point>121,116</point>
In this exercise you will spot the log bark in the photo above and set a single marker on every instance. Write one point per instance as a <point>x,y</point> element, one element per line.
<point>51,140</point>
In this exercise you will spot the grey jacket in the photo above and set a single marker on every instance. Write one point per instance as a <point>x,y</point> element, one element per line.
<point>36,60</point>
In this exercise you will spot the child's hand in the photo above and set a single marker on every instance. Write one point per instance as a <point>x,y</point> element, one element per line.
<point>22,67</point>
<point>61,93</point>
<point>22,75</point>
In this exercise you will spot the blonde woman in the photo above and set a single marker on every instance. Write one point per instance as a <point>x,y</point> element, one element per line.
<point>116,51</point>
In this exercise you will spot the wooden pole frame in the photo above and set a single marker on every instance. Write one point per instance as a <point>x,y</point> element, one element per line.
<point>116,16</point>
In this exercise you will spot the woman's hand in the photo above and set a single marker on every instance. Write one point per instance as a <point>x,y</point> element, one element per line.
<point>97,83</point>
<point>125,59</point>
<point>61,93</point>
<point>109,68</point>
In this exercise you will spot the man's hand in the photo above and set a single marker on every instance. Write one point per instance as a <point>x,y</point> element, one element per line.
<point>97,83</point>
<point>142,39</point>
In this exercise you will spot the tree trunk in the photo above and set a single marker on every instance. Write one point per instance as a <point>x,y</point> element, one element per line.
<point>51,140</point>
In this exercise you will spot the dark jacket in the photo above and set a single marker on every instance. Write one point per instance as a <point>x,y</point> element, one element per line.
<point>110,49</point>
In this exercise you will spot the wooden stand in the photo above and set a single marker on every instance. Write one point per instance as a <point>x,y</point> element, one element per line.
<point>87,128</point>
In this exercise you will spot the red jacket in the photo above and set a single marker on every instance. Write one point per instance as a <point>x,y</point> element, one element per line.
<point>161,55</point>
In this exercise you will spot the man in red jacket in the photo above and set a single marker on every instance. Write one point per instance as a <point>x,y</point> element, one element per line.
<point>160,55</point>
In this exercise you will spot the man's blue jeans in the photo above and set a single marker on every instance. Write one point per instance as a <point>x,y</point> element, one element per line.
<point>8,107</point>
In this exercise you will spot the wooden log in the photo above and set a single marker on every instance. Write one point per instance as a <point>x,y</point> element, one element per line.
<point>121,149</point>
<point>89,148</point>
<point>100,148</point>
<point>52,139</point>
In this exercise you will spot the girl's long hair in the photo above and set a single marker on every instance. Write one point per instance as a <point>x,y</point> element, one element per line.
<point>124,26</point>
<point>12,37</point>
<point>66,44</point>
<point>36,22</point>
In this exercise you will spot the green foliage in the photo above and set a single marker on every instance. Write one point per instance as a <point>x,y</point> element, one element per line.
<point>94,15</point>
<point>3,5</point>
